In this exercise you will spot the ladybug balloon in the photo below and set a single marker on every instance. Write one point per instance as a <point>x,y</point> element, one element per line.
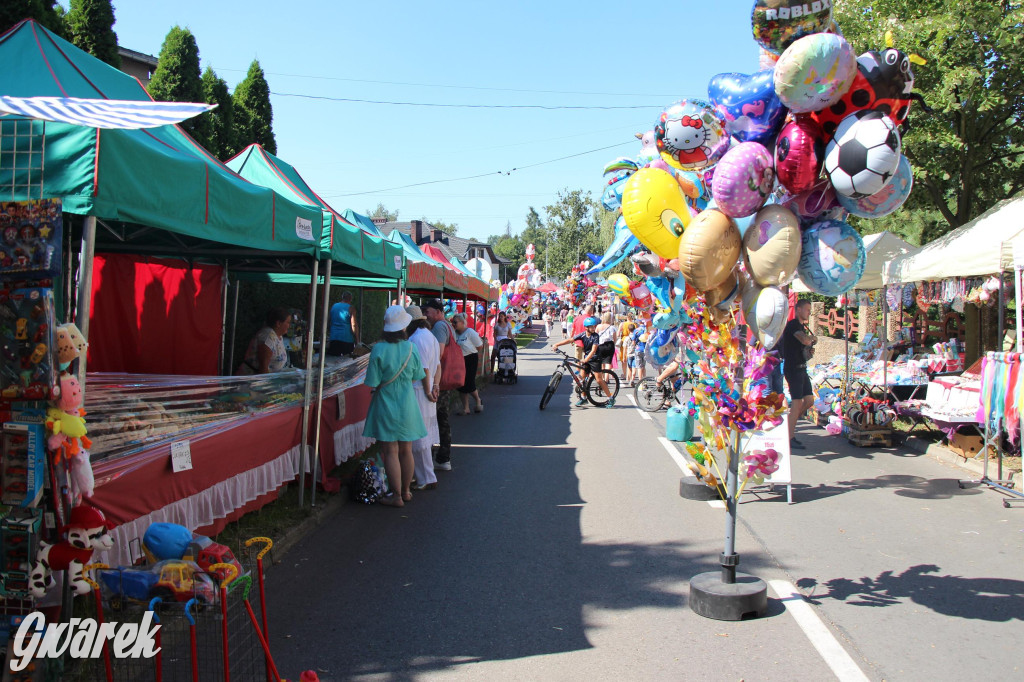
<point>884,81</point>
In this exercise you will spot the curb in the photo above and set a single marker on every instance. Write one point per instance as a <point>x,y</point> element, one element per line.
<point>321,513</point>
<point>947,456</point>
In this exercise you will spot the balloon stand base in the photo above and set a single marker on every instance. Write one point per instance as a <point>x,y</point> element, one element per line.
<point>745,599</point>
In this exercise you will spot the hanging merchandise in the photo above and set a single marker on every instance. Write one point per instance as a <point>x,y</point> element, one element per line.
<point>32,236</point>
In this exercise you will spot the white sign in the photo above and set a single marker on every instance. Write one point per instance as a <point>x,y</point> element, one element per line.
<point>181,456</point>
<point>776,439</point>
<point>341,406</point>
<point>304,229</point>
<point>81,638</point>
<point>398,262</point>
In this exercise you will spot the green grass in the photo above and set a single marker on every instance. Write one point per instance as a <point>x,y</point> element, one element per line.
<point>524,340</point>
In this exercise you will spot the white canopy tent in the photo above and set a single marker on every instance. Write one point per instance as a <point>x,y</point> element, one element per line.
<point>981,247</point>
<point>881,248</point>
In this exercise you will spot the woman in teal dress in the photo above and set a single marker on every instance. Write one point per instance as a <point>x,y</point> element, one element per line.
<point>394,416</point>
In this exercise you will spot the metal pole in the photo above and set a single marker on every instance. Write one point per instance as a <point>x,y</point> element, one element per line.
<point>1018,273</point>
<point>226,282</point>
<point>1002,313</point>
<point>885,341</point>
<point>320,382</point>
<point>360,339</point>
<point>729,557</point>
<point>82,309</point>
<point>309,381</point>
<point>234,328</point>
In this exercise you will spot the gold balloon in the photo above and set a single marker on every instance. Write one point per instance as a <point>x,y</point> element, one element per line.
<point>772,246</point>
<point>709,249</point>
<point>720,296</point>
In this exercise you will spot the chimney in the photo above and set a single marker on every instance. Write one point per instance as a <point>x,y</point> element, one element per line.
<point>436,235</point>
<point>416,231</point>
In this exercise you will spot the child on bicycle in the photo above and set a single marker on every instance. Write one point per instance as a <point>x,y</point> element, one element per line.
<point>590,340</point>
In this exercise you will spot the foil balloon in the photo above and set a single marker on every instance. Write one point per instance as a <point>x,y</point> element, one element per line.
<point>832,258</point>
<point>799,154</point>
<point>611,198</point>
<point>648,149</point>
<point>623,244</point>
<point>622,163</point>
<point>709,249</point>
<point>815,72</point>
<point>778,23</point>
<point>886,200</point>
<point>725,294</point>
<point>766,315</point>
<point>749,105</point>
<point>691,135</point>
<point>662,347</point>
<point>772,246</point>
<point>531,251</point>
<point>864,154</point>
<point>884,81</point>
<point>743,180</point>
<point>655,210</point>
<point>816,203</point>
<point>619,285</point>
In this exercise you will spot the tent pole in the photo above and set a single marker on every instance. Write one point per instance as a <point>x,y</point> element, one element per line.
<point>1018,273</point>
<point>885,341</point>
<point>225,283</point>
<point>234,328</point>
<point>1002,313</point>
<point>82,309</point>
<point>309,381</point>
<point>846,328</point>
<point>361,290</point>
<point>315,455</point>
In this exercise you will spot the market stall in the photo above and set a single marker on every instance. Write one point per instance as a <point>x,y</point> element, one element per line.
<point>156,193</point>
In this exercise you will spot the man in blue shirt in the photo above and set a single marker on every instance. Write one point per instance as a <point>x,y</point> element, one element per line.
<point>344,327</point>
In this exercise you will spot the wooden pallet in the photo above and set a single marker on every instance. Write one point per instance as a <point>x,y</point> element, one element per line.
<point>865,438</point>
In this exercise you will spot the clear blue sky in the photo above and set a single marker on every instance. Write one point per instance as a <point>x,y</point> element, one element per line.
<point>555,52</point>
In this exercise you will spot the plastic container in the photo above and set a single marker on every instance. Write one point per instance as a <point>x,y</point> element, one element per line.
<point>679,424</point>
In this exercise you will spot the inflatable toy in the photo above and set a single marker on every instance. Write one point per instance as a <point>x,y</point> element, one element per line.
<point>690,135</point>
<point>772,246</point>
<point>766,315</point>
<point>743,180</point>
<point>778,23</point>
<point>799,155</point>
<point>619,285</point>
<point>863,156</point>
<point>814,72</point>
<point>655,210</point>
<point>832,258</point>
<point>709,249</point>
<point>749,105</point>
<point>886,200</point>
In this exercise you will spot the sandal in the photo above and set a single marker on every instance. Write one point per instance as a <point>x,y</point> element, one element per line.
<point>480,408</point>
<point>407,497</point>
<point>391,500</point>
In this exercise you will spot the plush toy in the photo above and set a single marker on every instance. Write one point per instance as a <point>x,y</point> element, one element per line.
<point>70,344</point>
<point>87,532</point>
<point>66,421</point>
<point>83,482</point>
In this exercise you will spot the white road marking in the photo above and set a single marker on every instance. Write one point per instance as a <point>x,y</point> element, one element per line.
<point>642,413</point>
<point>835,656</point>
<point>717,504</point>
<point>674,454</point>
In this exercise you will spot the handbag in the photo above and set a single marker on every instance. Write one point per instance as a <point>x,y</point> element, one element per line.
<point>453,367</point>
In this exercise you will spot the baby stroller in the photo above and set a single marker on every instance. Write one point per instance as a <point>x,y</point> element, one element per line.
<point>506,354</point>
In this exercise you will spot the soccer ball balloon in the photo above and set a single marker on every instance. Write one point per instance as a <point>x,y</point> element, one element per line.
<point>862,157</point>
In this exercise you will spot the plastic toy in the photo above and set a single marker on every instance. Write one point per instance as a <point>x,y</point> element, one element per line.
<point>87,532</point>
<point>32,237</point>
<point>164,541</point>
<point>172,580</point>
<point>66,421</point>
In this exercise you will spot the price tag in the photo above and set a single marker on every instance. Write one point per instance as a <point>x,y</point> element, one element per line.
<point>398,262</point>
<point>341,406</point>
<point>181,456</point>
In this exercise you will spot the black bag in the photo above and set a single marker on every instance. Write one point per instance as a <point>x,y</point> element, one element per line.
<point>370,486</point>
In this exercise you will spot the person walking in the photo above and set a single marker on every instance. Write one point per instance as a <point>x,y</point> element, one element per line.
<point>797,347</point>
<point>607,336</point>
<point>393,417</point>
<point>443,332</point>
<point>547,322</point>
<point>344,327</point>
<point>430,358</point>
<point>502,330</point>
<point>470,343</point>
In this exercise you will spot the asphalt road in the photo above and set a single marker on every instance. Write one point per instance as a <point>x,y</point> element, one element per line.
<point>559,549</point>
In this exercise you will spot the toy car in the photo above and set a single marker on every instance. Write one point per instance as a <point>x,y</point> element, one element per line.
<point>206,553</point>
<point>171,580</point>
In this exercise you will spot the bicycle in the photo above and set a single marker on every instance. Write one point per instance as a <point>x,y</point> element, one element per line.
<point>651,396</point>
<point>588,387</point>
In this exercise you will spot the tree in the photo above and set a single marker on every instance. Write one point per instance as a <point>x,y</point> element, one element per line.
<point>222,119</point>
<point>382,212</point>
<point>90,26</point>
<point>573,229</point>
<point>968,153</point>
<point>254,116</point>
<point>46,12</point>
<point>450,228</point>
<point>177,79</point>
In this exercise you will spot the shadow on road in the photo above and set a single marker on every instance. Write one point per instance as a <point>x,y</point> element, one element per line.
<point>915,487</point>
<point>992,599</point>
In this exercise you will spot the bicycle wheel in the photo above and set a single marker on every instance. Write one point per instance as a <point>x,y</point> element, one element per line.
<point>549,391</point>
<point>595,394</point>
<point>648,396</point>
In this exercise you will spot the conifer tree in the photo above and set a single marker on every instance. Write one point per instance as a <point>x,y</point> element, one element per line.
<point>177,79</point>
<point>222,119</point>
<point>90,26</point>
<point>253,113</point>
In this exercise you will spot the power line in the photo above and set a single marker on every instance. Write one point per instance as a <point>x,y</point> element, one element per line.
<point>457,87</point>
<point>464,106</point>
<point>481,175</point>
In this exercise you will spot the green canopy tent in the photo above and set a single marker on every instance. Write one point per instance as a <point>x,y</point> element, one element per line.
<point>423,274</point>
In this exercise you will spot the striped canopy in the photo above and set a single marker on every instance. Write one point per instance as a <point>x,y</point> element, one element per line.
<point>102,113</point>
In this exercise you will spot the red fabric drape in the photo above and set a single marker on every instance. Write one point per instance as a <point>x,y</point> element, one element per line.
<point>155,316</point>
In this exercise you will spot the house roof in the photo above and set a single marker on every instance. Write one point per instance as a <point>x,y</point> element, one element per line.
<point>142,57</point>
<point>450,244</point>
